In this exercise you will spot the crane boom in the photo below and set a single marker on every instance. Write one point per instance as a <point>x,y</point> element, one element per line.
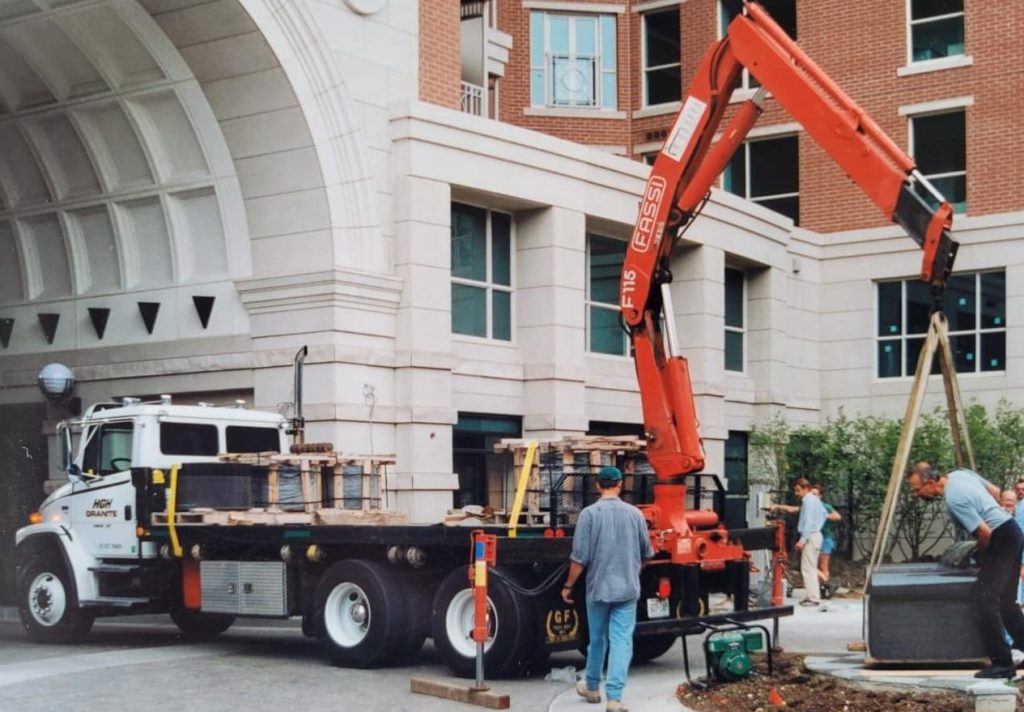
<point>680,180</point>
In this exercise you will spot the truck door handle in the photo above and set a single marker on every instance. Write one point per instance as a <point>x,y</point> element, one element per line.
<point>128,512</point>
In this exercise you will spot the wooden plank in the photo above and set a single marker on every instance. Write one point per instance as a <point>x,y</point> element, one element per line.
<point>338,517</point>
<point>459,692</point>
<point>262,518</point>
<point>856,646</point>
<point>364,481</point>
<point>273,493</point>
<point>305,479</point>
<point>339,485</point>
<point>899,464</point>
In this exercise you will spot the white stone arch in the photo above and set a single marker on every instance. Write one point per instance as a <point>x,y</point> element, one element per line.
<point>300,46</point>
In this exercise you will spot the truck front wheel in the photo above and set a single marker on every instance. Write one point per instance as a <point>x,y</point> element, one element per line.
<point>361,613</point>
<point>47,603</point>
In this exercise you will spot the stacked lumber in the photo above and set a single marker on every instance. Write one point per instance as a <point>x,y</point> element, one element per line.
<point>333,489</point>
<point>313,464</point>
<point>263,517</point>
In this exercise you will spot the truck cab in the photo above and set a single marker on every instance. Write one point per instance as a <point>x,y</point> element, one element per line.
<point>83,547</point>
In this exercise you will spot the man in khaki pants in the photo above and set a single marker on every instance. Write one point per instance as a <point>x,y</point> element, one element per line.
<point>812,519</point>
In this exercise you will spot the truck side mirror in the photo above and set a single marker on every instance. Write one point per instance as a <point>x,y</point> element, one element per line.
<point>67,453</point>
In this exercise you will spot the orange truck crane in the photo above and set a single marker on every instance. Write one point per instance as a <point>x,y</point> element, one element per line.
<point>680,181</point>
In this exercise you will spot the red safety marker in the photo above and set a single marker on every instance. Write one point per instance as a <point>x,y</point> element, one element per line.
<point>484,554</point>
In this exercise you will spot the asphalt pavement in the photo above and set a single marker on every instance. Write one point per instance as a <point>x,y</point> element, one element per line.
<point>127,662</point>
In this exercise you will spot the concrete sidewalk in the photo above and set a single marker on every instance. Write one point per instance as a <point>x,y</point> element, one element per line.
<point>652,687</point>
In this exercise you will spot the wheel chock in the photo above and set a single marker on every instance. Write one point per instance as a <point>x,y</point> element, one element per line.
<point>459,693</point>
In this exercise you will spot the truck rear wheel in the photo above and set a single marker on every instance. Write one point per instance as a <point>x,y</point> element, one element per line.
<point>511,627</point>
<point>48,604</point>
<point>361,613</point>
<point>197,625</point>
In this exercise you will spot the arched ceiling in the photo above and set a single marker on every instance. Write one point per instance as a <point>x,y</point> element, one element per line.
<point>110,159</point>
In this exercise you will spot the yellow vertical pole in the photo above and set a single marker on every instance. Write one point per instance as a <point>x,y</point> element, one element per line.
<point>524,477</point>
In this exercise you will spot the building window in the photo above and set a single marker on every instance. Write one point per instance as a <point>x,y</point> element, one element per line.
<point>735,318</point>
<point>782,11</point>
<point>936,29</point>
<point>939,146</point>
<point>767,171</point>
<point>480,470</point>
<point>481,272</point>
<point>604,259</point>
<point>738,488</point>
<point>974,304</point>
<point>662,81</point>
<point>572,60</point>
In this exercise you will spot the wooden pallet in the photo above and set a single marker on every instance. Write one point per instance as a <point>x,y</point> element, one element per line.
<point>311,466</point>
<point>620,450</point>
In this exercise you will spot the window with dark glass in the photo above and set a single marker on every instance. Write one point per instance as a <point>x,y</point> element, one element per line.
<point>975,306</point>
<point>662,81</point>
<point>734,319</point>
<point>940,150</point>
<point>605,257</point>
<point>481,263</point>
<point>480,470</point>
<point>188,439</point>
<point>936,29</point>
<point>767,172</point>
<point>246,438</point>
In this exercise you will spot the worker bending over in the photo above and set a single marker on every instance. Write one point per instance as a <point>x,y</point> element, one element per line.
<point>973,504</point>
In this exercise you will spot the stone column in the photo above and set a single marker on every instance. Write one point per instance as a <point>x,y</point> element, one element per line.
<point>550,319</point>
<point>424,361</point>
<point>698,299</point>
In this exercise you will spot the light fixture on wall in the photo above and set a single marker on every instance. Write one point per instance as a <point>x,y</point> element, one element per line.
<point>56,382</point>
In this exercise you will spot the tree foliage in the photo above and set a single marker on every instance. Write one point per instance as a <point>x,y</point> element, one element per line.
<point>853,458</point>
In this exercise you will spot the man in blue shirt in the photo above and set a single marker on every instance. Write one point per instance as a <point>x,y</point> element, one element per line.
<point>809,526</point>
<point>610,542</point>
<point>973,504</point>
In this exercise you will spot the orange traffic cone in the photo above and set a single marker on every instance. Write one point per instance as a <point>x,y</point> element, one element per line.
<point>775,699</point>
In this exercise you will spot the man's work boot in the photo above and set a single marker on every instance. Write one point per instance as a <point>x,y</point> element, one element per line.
<point>997,672</point>
<point>616,706</point>
<point>591,696</point>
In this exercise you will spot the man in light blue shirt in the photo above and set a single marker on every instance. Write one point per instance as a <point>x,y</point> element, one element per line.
<point>812,519</point>
<point>973,504</point>
<point>610,543</point>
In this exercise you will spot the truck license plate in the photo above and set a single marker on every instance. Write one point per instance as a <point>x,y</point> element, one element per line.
<point>657,608</point>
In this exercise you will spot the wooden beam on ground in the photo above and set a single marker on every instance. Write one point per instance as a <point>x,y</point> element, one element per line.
<point>459,692</point>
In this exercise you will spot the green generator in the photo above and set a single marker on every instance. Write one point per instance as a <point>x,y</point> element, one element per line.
<point>727,653</point>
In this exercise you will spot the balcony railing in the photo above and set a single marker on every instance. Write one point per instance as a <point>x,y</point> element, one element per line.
<point>472,101</point>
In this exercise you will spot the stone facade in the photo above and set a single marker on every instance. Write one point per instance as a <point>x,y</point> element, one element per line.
<point>334,147</point>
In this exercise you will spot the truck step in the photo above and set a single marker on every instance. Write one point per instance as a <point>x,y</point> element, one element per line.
<point>114,568</point>
<point>116,601</point>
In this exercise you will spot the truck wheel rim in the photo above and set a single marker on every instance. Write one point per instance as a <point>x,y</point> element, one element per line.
<point>47,600</point>
<point>347,615</point>
<point>459,623</point>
